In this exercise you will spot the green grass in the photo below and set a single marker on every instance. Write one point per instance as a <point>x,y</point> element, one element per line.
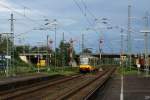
<point>63,71</point>
<point>23,71</point>
<point>127,71</point>
<point>132,71</point>
<point>21,68</point>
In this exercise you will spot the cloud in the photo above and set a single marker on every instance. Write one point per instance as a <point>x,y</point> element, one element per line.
<point>70,17</point>
<point>67,22</point>
<point>5,6</point>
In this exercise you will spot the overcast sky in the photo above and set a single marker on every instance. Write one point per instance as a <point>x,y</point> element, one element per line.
<point>74,17</point>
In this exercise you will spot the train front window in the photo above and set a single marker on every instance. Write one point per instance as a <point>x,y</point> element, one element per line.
<point>84,60</point>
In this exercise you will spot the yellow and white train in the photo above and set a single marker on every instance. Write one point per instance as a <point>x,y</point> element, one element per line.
<point>88,63</point>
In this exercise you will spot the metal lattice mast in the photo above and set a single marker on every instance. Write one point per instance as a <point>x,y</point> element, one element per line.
<point>63,51</point>
<point>129,46</point>
<point>47,57</point>
<point>82,43</point>
<point>8,63</point>
<point>12,40</point>
<point>121,49</point>
<point>146,41</point>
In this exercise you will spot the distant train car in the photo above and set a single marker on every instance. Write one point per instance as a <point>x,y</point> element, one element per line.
<point>41,63</point>
<point>140,60</point>
<point>87,63</point>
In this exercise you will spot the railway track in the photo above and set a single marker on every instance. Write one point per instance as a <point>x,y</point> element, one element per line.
<point>15,92</point>
<point>86,91</point>
<point>74,87</point>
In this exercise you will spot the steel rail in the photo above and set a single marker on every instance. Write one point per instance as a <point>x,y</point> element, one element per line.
<point>28,89</point>
<point>76,90</point>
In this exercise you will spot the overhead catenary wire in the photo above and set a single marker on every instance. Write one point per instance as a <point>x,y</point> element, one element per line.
<point>87,9</point>
<point>92,15</point>
<point>26,17</point>
<point>85,15</point>
<point>13,10</point>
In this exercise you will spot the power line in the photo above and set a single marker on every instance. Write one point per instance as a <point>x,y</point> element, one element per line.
<point>32,20</point>
<point>13,10</point>
<point>87,9</point>
<point>85,15</point>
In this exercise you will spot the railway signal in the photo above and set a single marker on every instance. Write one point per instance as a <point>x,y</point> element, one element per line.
<point>101,41</point>
<point>49,50</point>
<point>71,51</point>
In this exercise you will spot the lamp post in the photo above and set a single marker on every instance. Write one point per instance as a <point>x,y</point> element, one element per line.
<point>55,40</point>
<point>103,21</point>
<point>54,24</point>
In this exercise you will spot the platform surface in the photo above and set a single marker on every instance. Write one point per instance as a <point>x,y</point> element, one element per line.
<point>21,78</point>
<point>136,87</point>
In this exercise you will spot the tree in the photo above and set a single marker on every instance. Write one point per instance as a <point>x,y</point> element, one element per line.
<point>3,44</point>
<point>64,52</point>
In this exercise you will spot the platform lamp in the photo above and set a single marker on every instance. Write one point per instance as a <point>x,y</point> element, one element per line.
<point>54,23</point>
